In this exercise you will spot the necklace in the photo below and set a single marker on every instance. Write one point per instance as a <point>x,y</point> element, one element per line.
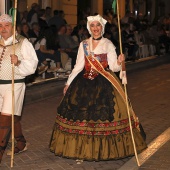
<point>97,38</point>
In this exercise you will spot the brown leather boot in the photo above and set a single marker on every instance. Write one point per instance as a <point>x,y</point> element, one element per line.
<point>5,132</point>
<point>19,137</point>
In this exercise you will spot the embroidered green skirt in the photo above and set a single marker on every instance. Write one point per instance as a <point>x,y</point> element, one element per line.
<point>92,123</point>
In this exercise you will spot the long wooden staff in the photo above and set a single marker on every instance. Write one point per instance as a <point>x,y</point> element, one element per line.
<point>125,82</point>
<point>13,94</point>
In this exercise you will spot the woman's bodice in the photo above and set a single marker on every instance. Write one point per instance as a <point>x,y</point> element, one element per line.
<point>90,73</point>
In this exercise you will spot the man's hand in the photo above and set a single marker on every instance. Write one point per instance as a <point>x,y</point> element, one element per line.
<point>14,60</point>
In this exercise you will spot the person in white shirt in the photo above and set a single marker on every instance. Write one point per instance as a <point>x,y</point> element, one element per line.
<point>25,63</point>
<point>91,122</point>
<point>46,48</point>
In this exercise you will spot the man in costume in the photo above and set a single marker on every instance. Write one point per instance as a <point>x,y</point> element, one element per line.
<point>25,63</point>
<point>92,121</point>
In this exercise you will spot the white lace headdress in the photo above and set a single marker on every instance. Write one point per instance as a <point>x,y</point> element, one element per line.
<point>98,18</point>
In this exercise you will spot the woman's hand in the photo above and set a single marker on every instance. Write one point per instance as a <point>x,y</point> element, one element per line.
<point>120,59</point>
<point>65,89</point>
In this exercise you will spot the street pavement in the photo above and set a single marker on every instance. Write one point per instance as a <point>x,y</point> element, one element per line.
<point>149,91</point>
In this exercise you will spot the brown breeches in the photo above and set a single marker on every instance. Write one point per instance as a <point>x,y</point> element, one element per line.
<point>5,132</point>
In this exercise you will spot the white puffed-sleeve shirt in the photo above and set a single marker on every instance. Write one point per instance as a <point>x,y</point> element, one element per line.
<point>29,62</point>
<point>105,46</point>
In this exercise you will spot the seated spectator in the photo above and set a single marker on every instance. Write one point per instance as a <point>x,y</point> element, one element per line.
<point>164,40</point>
<point>18,29</point>
<point>154,37</point>
<point>42,19</point>
<point>43,46</point>
<point>25,31</point>
<point>77,33</point>
<point>86,33</point>
<point>67,43</point>
<point>34,32</point>
<point>128,41</point>
<point>112,34</point>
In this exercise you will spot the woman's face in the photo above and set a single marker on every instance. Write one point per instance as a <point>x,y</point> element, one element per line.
<point>96,29</point>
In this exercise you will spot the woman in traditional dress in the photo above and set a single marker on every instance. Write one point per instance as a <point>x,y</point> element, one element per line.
<point>92,121</point>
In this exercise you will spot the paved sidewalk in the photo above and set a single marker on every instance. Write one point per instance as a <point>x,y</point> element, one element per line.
<point>155,157</point>
<point>160,160</point>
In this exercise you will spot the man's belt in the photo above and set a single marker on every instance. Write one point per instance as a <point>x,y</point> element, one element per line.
<point>10,81</point>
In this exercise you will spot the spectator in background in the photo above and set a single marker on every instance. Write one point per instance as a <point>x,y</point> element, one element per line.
<point>111,34</point>
<point>56,20</point>
<point>125,19</point>
<point>66,40</point>
<point>108,16</point>
<point>77,34</point>
<point>154,36</point>
<point>24,17</point>
<point>32,16</point>
<point>34,32</point>
<point>25,31</point>
<point>46,47</point>
<point>67,43</point>
<point>164,40</point>
<point>62,15</point>
<point>86,33</point>
<point>48,11</point>
<point>42,19</point>
<point>138,23</point>
<point>83,14</point>
<point>128,41</point>
<point>18,29</point>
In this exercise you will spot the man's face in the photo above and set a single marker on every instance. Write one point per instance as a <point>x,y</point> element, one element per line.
<point>6,29</point>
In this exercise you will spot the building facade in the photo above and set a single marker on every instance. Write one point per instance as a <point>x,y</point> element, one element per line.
<point>152,8</point>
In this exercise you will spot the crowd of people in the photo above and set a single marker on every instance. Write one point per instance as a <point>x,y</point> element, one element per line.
<point>54,39</point>
<point>139,33</point>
